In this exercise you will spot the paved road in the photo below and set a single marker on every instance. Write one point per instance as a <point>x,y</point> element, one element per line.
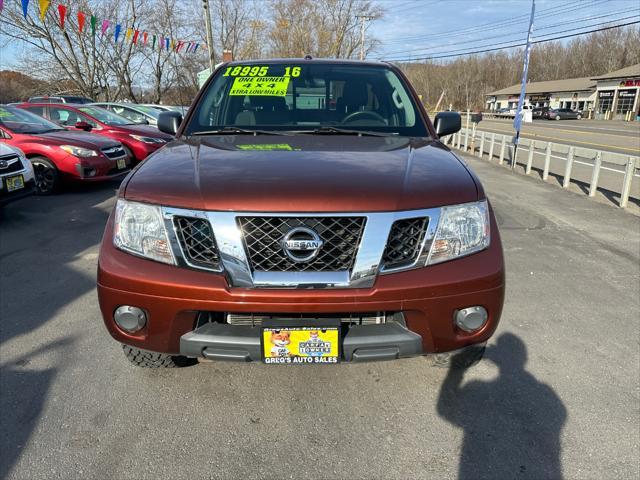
<point>557,396</point>
<point>612,136</point>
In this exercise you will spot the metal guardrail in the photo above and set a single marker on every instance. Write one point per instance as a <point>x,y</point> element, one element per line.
<point>580,165</point>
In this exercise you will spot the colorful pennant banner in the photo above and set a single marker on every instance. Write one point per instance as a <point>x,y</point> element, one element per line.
<point>131,34</point>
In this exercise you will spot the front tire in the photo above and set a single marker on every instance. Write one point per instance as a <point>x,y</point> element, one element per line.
<point>47,176</point>
<point>557,117</point>
<point>146,359</point>
<point>578,117</point>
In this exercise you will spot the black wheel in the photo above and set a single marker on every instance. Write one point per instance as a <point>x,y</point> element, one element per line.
<point>460,360</point>
<point>146,359</point>
<point>47,176</point>
<point>557,117</point>
<point>578,117</point>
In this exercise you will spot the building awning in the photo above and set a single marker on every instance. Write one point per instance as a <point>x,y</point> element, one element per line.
<point>550,86</point>
<point>627,72</point>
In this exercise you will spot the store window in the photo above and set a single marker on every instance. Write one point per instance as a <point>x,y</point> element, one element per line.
<point>605,101</point>
<point>626,99</point>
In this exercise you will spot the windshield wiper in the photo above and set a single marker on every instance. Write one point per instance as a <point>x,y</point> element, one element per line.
<point>238,131</point>
<point>329,130</point>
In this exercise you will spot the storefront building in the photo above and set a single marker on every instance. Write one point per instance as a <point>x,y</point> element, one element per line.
<point>574,93</point>
<point>618,93</point>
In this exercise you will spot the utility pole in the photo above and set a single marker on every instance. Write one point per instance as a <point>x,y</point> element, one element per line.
<point>363,19</point>
<point>207,17</point>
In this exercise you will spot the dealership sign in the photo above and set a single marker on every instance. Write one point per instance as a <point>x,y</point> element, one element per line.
<point>631,83</point>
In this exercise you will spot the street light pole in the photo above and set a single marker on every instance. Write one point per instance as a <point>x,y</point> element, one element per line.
<point>363,19</point>
<point>207,17</point>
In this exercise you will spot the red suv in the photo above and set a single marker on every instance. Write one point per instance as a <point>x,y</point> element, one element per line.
<point>139,141</point>
<point>58,154</point>
<point>307,213</point>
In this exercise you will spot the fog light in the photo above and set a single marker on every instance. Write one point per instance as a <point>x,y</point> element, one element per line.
<point>471,319</point>
<point>89,172</point>
<point>130,319</point>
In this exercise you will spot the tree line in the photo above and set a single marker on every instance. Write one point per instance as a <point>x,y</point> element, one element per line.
<point>70,62</point>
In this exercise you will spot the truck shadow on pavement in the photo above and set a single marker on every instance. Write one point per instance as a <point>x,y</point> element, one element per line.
<point>511,425</point>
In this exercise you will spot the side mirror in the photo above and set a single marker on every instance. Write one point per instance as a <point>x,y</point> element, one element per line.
<point>84,126</point>
<point>169,122</point>
<point>447,123</point>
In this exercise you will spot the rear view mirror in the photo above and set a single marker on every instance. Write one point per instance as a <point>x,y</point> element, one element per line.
<point>447,123</point>
<point>83,126</point>
<point>169,122</point>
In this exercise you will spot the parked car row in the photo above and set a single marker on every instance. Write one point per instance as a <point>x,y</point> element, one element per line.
<point>59,142</point>
<point>546,113</point>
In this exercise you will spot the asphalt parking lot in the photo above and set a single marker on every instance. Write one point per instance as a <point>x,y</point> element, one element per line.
<point>557,396</point>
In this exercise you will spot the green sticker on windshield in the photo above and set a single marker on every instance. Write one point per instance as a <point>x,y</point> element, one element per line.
<point>266,147</point>
<point>260,86</point>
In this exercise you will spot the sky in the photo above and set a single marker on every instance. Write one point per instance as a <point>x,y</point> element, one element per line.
<point>419,28</point>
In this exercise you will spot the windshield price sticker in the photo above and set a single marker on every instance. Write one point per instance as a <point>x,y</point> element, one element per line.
<point>260,86</point>
<point>257,71</point>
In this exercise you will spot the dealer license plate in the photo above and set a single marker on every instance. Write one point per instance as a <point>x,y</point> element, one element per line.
<point>122,163</point>
<point>14,183</point>
<point>301,344</point>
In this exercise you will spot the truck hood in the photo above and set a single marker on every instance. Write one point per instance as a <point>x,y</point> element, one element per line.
<point>80,139</point>
<point>304,173</point>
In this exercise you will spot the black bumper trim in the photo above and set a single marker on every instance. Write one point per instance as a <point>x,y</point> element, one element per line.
<point>218,341</point>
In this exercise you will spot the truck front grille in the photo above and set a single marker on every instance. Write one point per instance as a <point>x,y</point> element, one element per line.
<point>197,243</point>
<point>255,320</point>
<point>404,242</point>
<point>263,242</point>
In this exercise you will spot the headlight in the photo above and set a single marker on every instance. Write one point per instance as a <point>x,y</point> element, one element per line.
<point>79,151</point>
<point>463,230</point>
<point>144,139</point>
<point>139,229</point>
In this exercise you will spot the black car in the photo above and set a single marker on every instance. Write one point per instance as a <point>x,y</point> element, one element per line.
<point>562,114</point>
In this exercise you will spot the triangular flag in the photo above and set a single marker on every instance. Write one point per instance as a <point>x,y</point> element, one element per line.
<point>144,37</point>
<point>118,28</point>
<point>166,40</point>
<point>1,5</point>
<point>62,11</point>
<point>25,7</point>
<point>105,25</point>
<point>135,37</point>
<point>154,42</point>
<point>93,25</point>
<point>80,21</point>
<point>195,48</point>
<point>44,6</point>
<point>128,34</point>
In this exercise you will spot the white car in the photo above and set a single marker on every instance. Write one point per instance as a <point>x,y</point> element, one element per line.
<point>16,174</point>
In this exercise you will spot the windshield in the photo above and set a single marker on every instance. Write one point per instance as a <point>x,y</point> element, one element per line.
<point>105,116</point>
<point>152,112</point>
<point>20,121</point>
<point>308,97</point>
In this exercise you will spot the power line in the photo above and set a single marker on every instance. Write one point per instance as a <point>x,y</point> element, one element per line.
<point>543,27</point>
<point>512,46</point>
<point>496,25</point>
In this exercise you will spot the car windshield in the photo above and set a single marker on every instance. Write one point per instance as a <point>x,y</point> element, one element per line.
<point>105,116</point>
<point>306,97</point>
<point>20,121</point>
<point>153,112</point>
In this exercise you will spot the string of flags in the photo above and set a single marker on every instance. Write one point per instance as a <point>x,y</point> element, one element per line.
<point>129,34</point>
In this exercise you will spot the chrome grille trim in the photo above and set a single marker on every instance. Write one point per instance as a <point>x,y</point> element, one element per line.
<point>366,267</point>
<point>263,237</point>
<point>255,320</point>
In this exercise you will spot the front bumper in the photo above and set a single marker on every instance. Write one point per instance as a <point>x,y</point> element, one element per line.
<point>173,298</point>
<point>8,197</point>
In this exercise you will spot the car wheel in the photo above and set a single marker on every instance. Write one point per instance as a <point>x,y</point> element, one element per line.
<point>557,117</point>
<point>47,176</point>
<point>146,359</point>
<point>578,117</point>
<point>460,360</point>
